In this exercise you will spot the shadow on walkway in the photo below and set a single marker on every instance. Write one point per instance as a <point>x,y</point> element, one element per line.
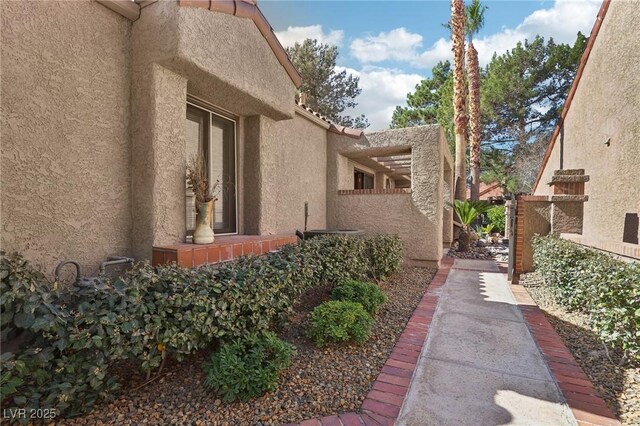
<point>480,364</point>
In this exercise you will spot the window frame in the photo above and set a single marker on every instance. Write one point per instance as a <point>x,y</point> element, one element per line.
<point>225,115</point>
<point>364,173</point>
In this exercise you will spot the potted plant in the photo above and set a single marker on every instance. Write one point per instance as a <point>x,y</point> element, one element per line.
<point>205,195</point>
<point>467,211</point>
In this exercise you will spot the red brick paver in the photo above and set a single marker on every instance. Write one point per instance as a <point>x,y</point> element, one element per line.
<point>383,403</point>
<point>584,401</point>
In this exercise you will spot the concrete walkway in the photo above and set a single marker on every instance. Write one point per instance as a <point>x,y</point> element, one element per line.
<point>480,364</point>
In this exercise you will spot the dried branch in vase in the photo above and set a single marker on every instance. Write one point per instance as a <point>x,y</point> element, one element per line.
<point>198,181</point>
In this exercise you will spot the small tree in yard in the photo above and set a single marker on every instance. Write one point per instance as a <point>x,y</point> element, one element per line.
<point>467,211</point>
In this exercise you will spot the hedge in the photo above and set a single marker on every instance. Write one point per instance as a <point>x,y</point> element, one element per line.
<point>70,338</point>
<point>595,283</point>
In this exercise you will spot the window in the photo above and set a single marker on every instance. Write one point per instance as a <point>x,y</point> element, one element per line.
<point>362,180</point>
<point>214,136</point>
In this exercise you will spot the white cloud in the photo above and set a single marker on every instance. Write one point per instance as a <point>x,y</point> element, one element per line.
<point>382,90</point>
<point>291,35</point>
<point>398,44</point>
<point>562,21</point>
<point>440,51</point>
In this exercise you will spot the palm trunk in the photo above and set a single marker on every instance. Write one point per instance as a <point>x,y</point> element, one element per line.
<point>459,97</point>
<point>475,133</point>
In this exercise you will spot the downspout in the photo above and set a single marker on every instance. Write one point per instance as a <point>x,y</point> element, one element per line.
<point>561,144</point>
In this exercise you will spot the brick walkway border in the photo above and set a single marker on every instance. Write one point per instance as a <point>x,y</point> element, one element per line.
<point>382,404</point>
<point>584,401</point>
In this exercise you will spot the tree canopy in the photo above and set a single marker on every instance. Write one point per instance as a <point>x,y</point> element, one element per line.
<point>522,93</point>
<point>328,92</point>
<point>524,89</point>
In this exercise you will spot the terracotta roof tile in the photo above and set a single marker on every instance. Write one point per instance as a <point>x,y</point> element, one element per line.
<point>333,127</point>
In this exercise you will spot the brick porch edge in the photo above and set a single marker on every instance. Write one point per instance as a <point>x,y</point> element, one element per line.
<point>382,404</point>
<point>585,403</point>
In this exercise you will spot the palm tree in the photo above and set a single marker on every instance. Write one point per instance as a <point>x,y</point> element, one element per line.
<point>459,96</point>
<point>475,21</point>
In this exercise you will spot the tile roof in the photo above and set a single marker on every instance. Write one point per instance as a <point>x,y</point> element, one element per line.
<point>333,127</point>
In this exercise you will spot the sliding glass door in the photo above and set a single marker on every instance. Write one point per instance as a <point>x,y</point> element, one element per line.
<point>213,135</point>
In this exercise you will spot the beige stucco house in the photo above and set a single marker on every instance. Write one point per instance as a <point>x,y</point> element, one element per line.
<point>588,188</point>
<point>103,102</point>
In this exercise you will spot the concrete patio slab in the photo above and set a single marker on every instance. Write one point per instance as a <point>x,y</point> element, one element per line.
<point>480,364</point>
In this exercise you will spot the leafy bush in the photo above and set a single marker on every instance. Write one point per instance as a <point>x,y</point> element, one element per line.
<point>339,321</point>
<point>496,217</point>
<point>606,289</point>
<point>385,255</point>
<point>340,257</point>
<point>368,295</point>
<point>59,365</point>
<point>70,338</point>
<point>248,367</point>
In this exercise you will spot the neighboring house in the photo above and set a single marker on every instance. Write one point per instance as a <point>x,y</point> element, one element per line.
<point>104,102</point>
<point>588,187</point>
<point>490,192</point>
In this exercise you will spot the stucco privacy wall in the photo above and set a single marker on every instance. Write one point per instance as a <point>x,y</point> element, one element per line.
<point>65,132</point>
<point>417,217</point>
<point>286,165</point>
<point>605,108</point>
<point>220,59</point>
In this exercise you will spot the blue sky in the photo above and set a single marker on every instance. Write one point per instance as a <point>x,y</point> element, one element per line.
<point>392,45</point>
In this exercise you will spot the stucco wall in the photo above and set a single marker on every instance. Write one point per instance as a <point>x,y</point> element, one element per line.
<point>158,159</point>
<point>65,137</point>
<point>230,62</point>
<point>286,165</point>
<point>417,217</point>
<point>222,60</point>
<point>394,214</point>
<point>605,107</point>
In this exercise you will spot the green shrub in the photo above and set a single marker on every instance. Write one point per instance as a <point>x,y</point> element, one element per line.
<point>385,255</point>
<point>496,218</point>
<point>339,321</point>
<point>59,364</point>
<point>248,367</point>
<point>606,289</point>
<point>368,295</point>
<point>148,314</point>
<point>340,258</point>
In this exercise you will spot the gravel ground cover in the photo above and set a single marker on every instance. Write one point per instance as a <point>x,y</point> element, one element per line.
<point>482,251</point>
<point>619,385</point>
<point>324,381</point>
